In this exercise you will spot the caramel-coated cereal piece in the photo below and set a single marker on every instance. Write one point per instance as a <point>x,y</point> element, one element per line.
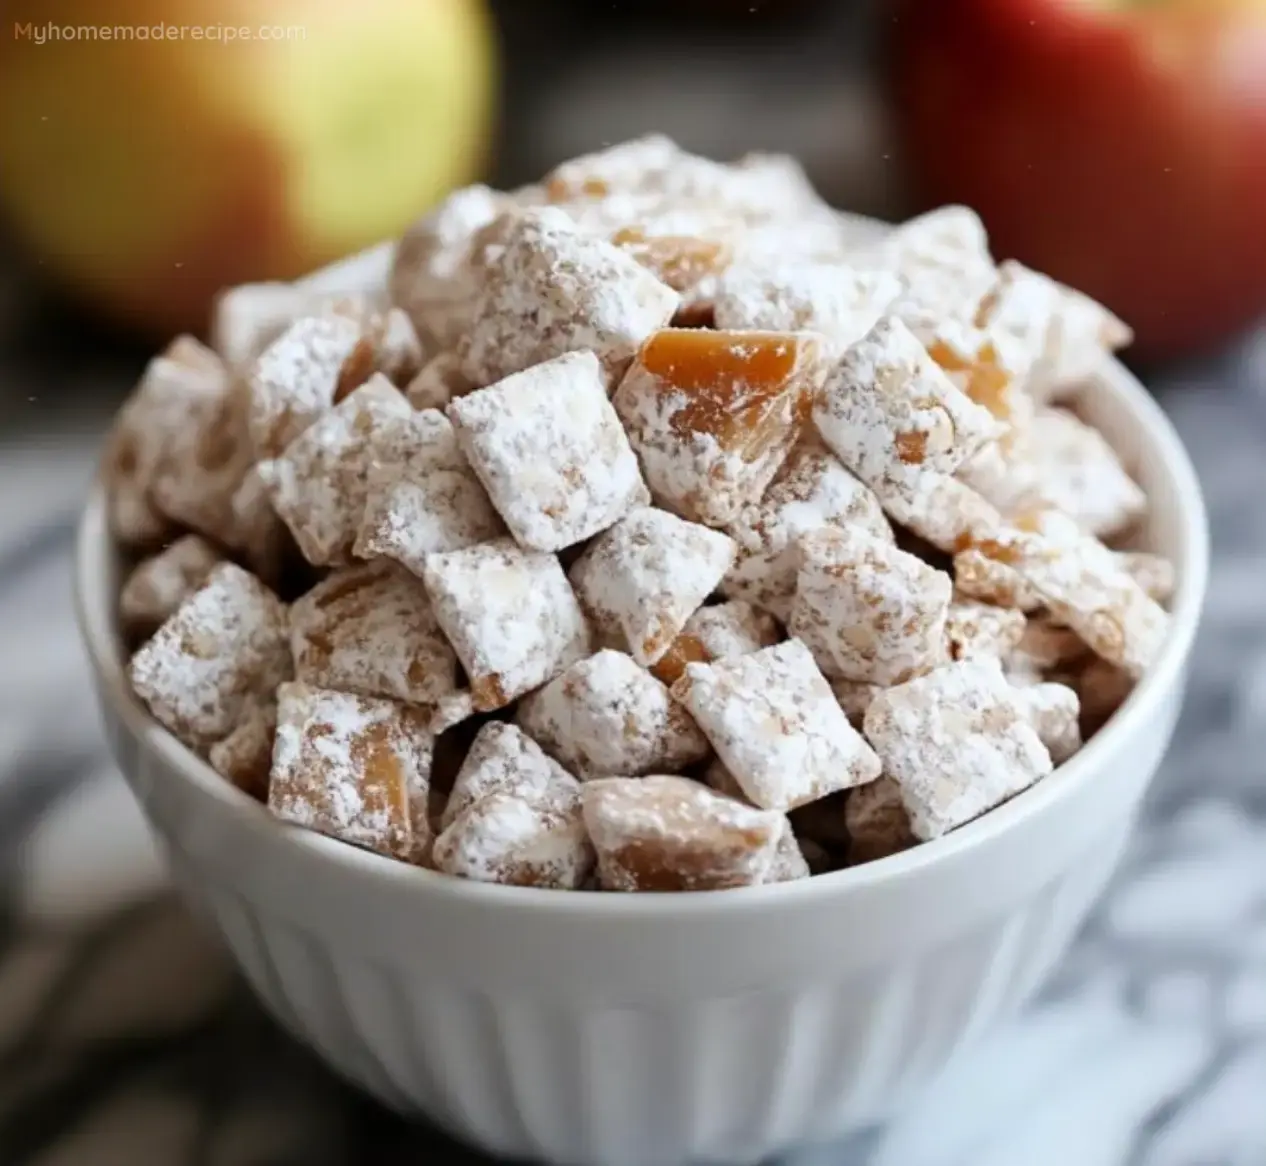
<point>1054,711</point>
<point>438,382</point>
<point>866,610</point>
<point>538,841</point>
<point>511,616</point>
<point>958,742</point>
<point>989,367</point>
<point>662,833</point>
<point>982,631</point>
<point>320,485</point>
<point>159,585</point>
<point>605,716</point>
<point>681,262</point>
<point>353,767</point>
<point>226,645</point>
<point>421,495</point>
<point>811,490</point>
<point>641,580</point>
<point>600,299</point>
<point>877,822</point>
<point>245,756</point>
<point>712,415</point>
<point>435,276</point>
<point>775,724</point>
<point>548,447</point>
<point>370,630</point>
<point>716,633</point>
<point>839,303</point>
<point>1083,585</point>
<point>503,759</point>
<point>888,406</point>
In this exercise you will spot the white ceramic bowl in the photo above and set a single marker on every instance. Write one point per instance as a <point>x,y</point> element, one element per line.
<point>640,1030</point>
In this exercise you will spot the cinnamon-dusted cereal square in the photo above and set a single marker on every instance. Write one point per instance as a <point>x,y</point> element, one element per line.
<point>811,490</point>
<point>520,841</point>
<point>866,610</point>
<point>245,756</point>
<point>958,742</point>
<point>606,717</point>
<point>370,630</point>
<point>641,580</point>
<point>510,614</point>
<point>600,299</point>
<point>1054,711</point>
<point>1083,585</point>
<point>438,382</point>
<point>662,833</point>
<point>839,303</point>
<point>436,277</point>
<point>353,767</point>
<point>503,759</point>
<point>774,723</point>
<point>160,584</point>
<point>982,631</point>
<point>713,415</point>
<point>422,496</point>
<point>887,406</point>
<point>320,485</point>
<point>185,379</point>
<point>717,633</point>
<point>226,645</point>
<point>877,822</point>
<point>548,447</point>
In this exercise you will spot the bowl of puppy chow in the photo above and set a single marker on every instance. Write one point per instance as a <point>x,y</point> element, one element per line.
<point>645,667</point>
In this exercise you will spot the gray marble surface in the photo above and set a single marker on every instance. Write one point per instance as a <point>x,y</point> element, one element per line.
<point>126,1038</point>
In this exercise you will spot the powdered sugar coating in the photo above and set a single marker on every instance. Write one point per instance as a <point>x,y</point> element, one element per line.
<point>601,300</point>
<point>887,406</point>
<point>503,759</point>
<point>774,723</point>
<point>226,645</point>
<point>320,485</point>
<point>810,491</point>
<point>839,303</point>
<point>605,716</point>
<point>245,756</point>
<point>1054,711</point>
<point>642,579</point>
<point>717,633</point>
<point>538,841</point>
<point>866,610</point>
<point>421,495</point>
<point>788,863</point>
<point>353,767</point>
<point>662,833</point>
<point>939,508</point>
<point>548,447</point>
<point>160,584</point>
<point>370,630</point>
<point>713,415</point>
<point>1058,461</point>
<point>982,631</point>
<point>510,614</point>
<point>958,742</point>
<point>877,822</point>
<point>1154,573</point>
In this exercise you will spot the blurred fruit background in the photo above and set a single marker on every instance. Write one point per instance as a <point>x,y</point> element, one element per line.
<point>1116,144</point>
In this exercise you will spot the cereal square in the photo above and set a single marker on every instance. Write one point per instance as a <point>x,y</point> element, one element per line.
<point>320,485</point>
<point>600,299</point>
<point>641,580</point>
<point>160,584</point>
<point>606,717</point>
<point>438,382</point>
<point>717,633</point>
<point>978,631</point>
<point>370,630</point>
<point>866,610</point>
<point>245,756</point>
<point>876,820</point>
<point>422,497</point>
<point>811,490</point>
<point>713,415</point>
<point>776,726</point>
<point>1054,711</point>
<point>353,767</point>
<point>548,447</point>
<point>226,645</point>
<point>662,833</point>
<point>940,509</point>
<point>510,614</point>
<point>958,742</point>
<point>987,365</point>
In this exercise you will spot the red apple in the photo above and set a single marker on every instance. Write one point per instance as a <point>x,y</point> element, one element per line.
<point>1117,145</point>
